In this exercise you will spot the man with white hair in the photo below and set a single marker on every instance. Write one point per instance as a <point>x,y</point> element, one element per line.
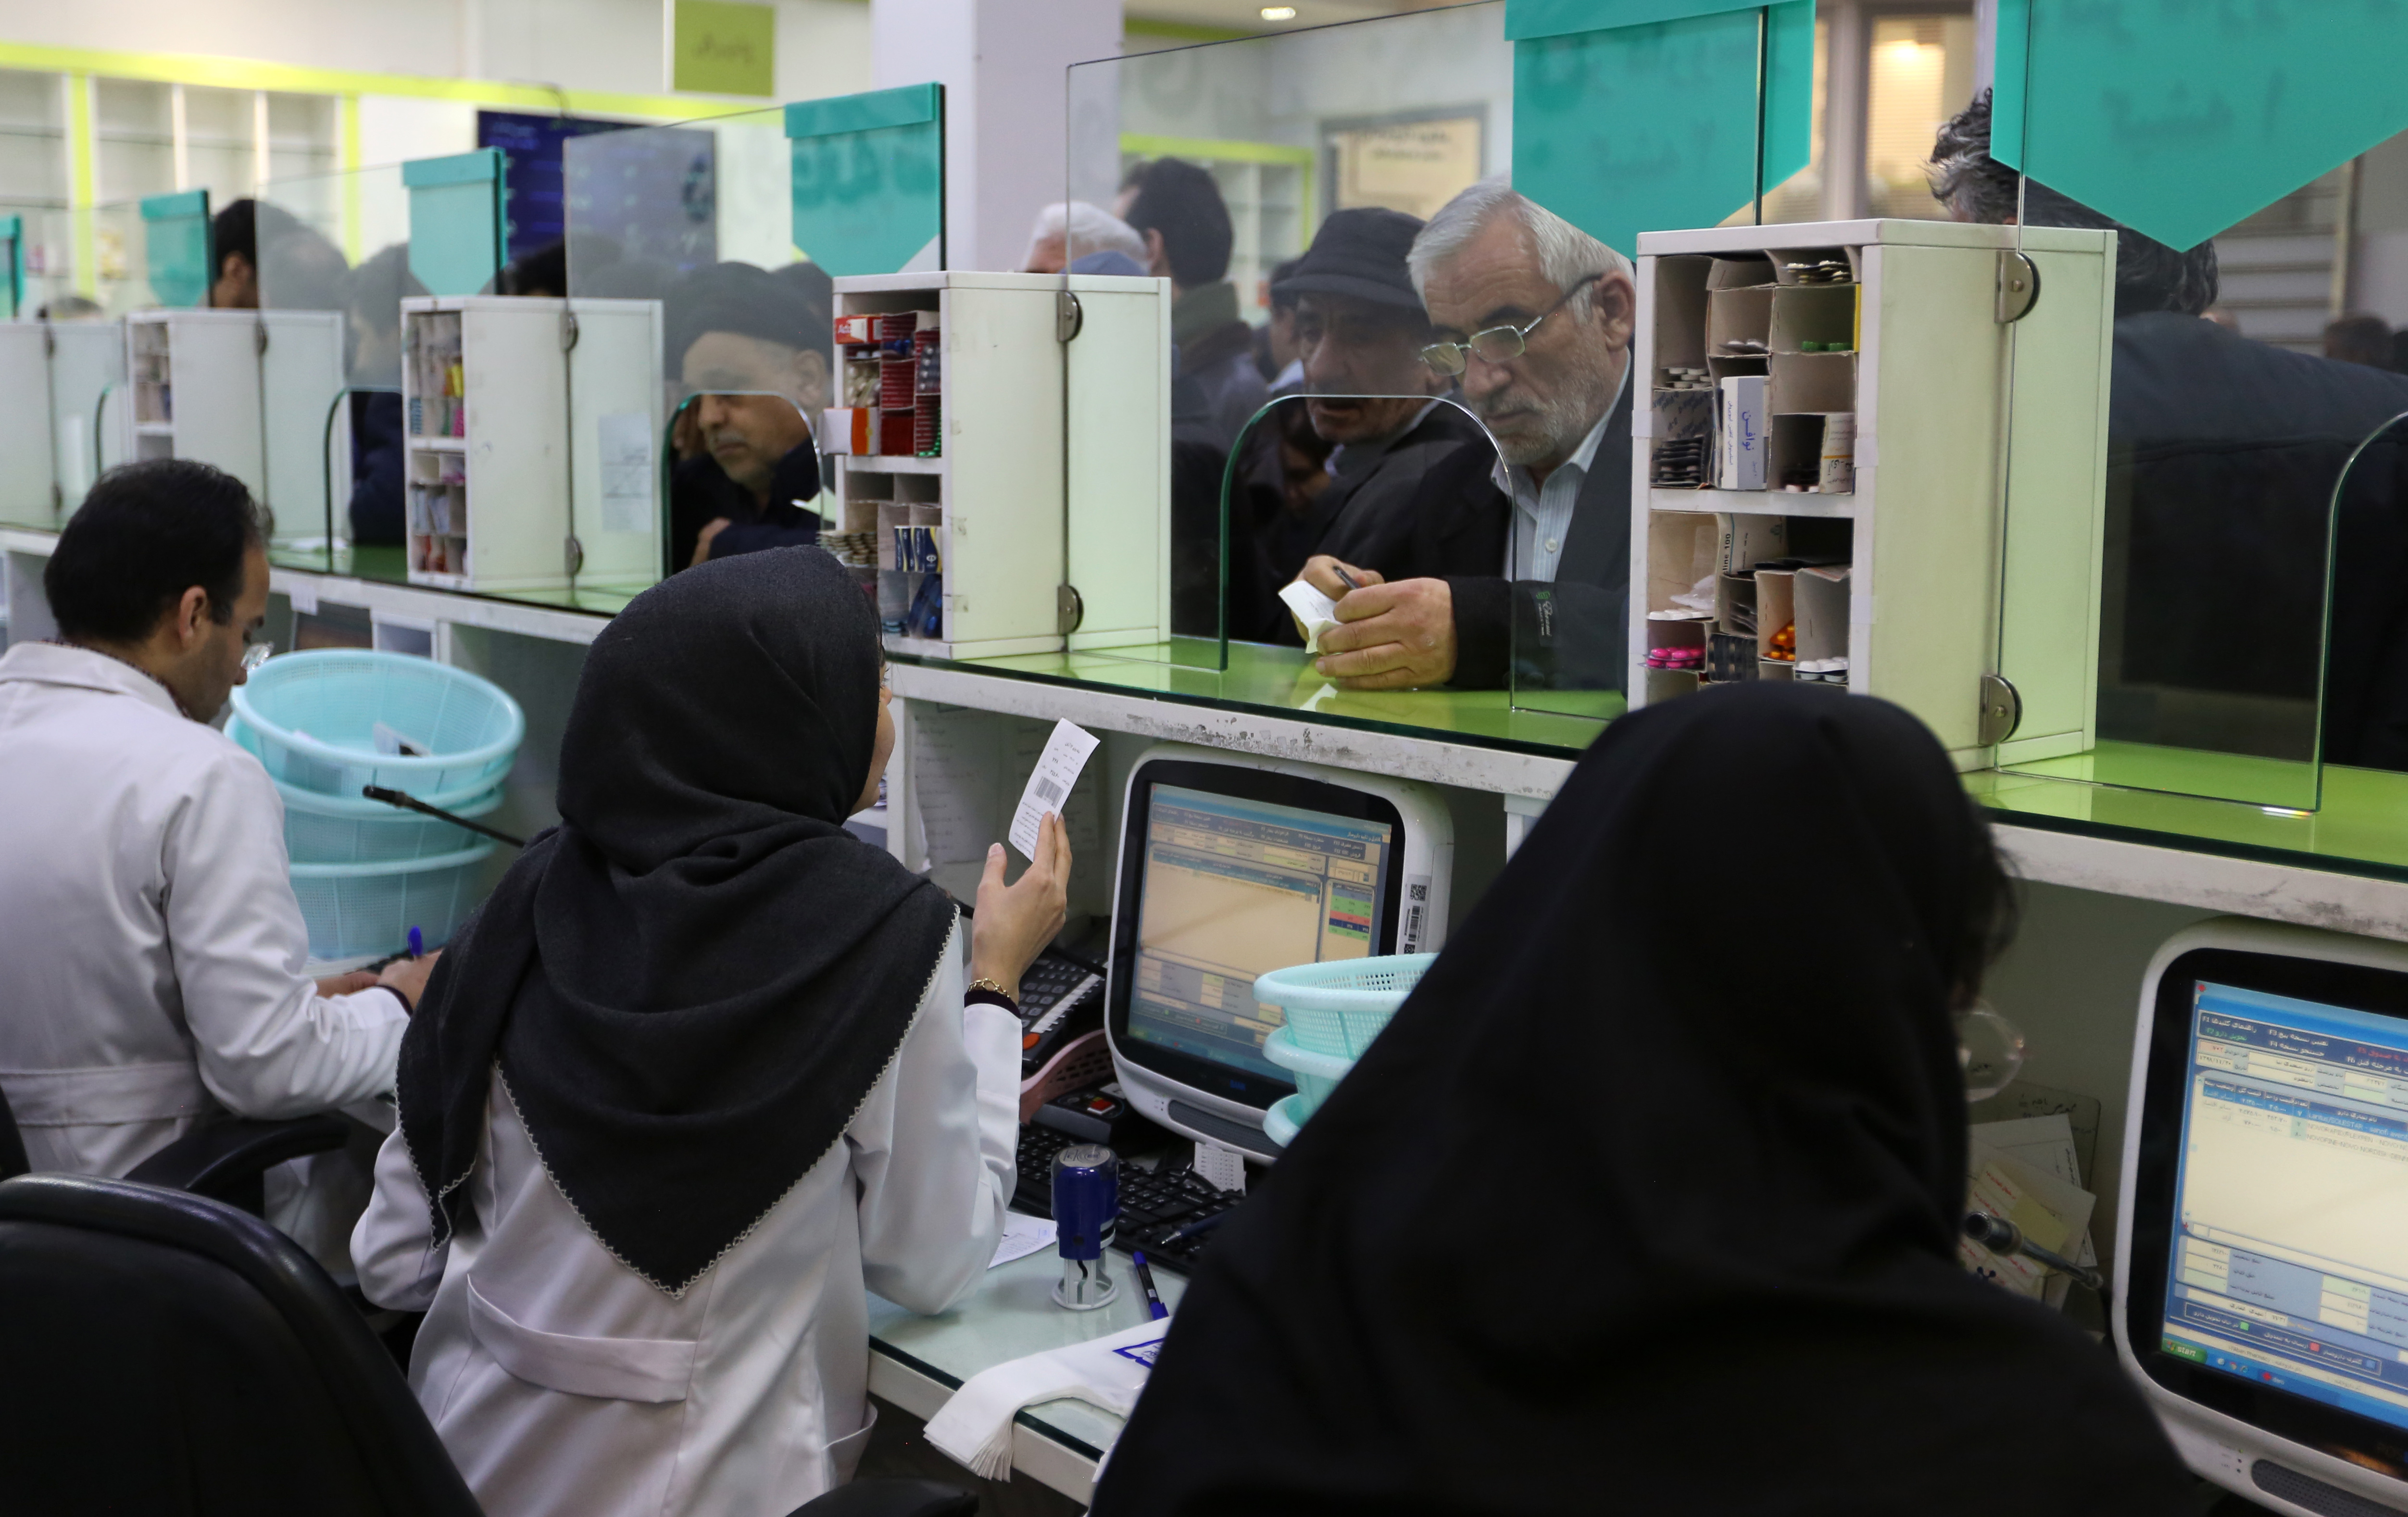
<point>1068,231</point>
<point>1526,556</point>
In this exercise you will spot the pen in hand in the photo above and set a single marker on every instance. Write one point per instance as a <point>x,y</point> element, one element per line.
<point>1343,577</point>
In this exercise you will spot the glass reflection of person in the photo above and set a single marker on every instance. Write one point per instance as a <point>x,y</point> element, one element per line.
<point>1177,209</point>
<point>1359,334</point>
<point>372,325</point>
<point>1535,316</point>
<point>752,352</point>
<point>2222,458</point>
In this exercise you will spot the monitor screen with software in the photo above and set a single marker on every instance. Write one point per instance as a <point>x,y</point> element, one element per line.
<point>2267,1275</point>
<point>1232,866</point>
<point>1236,886</point>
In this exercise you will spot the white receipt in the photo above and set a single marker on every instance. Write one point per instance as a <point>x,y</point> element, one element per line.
<point>1049,783</point>
<point>1313,610</point>
<point>1022,1237</point>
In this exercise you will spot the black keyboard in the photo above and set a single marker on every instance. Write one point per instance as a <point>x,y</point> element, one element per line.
<point>1153,1206</point>
<point>1058,1000</point>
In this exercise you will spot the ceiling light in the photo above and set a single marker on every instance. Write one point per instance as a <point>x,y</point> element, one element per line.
<point>1278,13</point>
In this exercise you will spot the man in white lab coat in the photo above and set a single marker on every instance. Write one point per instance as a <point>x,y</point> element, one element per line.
<point>151,947</point>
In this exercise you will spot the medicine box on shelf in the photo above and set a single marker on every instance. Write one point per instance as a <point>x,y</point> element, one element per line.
<point>1873,543</point>
<point>249,391</point>
<point>533,432</point>
<point>58,383</point>
<point>960,504</point>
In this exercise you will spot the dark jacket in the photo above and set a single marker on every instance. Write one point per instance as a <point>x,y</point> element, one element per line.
<point>1569,633</point>
<point>1365,515</point>
<point>376,507</point>
<point>2223,458</point>
<point>700,493</point>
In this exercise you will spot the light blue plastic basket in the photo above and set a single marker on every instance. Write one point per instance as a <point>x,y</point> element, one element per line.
<point>328,829</point>
<point>1339,1004</point>
<point>356,910</point>
<point>1281,1122</point>
<point>331,829</point>
<point>313,716</point>
<point>1317,1074</point>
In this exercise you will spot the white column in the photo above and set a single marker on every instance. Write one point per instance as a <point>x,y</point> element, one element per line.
<point>1846,85</point>
<point>1001,63</point>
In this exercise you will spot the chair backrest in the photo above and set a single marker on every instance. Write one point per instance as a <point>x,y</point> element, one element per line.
<point>166,1353</point>
<point>13,1143</point>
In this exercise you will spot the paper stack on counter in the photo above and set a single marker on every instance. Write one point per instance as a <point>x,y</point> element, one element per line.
<point>975,1425</point>
<point>2025,1171</point>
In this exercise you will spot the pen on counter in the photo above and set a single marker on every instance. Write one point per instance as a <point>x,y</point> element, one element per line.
<point>1196,1229</point>
<point>417,943</point>
<point>1145,1279</point>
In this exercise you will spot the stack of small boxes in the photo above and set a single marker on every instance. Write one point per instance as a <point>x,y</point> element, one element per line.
<point>892,370</point>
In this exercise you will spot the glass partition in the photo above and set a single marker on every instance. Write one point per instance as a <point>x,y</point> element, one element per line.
<point>681,241</point>
<point>1301,404</point>
<point>2235,506</point>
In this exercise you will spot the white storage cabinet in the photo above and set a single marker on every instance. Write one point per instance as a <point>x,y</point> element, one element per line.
<point>1948,560</point>
<point>60,385</point>
<point>999,501</point>
<point>533,431</point>
<point>249,392</point>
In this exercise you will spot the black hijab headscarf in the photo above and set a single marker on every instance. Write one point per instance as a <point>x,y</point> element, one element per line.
<point>1647,1200</point>
<point>690,985</point>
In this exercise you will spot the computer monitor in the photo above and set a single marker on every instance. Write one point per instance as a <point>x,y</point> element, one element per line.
<point>2262,1287</point>
<point>1230,866</point>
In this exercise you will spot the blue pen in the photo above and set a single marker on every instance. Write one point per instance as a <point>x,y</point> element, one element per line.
<point>1152,1297</point>
<point>417,944</point>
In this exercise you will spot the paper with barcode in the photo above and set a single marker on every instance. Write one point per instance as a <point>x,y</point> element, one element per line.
<point>1049,783</point>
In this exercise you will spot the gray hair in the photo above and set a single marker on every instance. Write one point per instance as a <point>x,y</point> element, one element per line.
<point>1976,187</point>
<point>1566,254</point>
<point>1084,229</point>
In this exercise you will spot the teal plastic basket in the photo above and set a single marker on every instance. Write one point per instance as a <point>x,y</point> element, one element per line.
<point>328,829</point>
<point>357,911</point>
<point>331,829</point>
<point>1317,1074</point>
<point>1281,1122</point>
<point>1339,1004</point>
<point>313,716</point>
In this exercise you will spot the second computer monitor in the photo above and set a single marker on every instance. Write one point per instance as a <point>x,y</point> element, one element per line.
<point>1230,867</point>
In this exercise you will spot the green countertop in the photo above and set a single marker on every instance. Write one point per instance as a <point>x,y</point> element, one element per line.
<point>2360,828</point>
<point>387,566</point>
<point>2165,797</point>
<point>1282,681</point>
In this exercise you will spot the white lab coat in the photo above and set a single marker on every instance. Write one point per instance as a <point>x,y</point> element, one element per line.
<point>562,1382</point>
<point>151,947</point>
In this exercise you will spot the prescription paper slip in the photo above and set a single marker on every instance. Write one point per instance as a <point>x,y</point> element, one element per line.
<point>1314,612</point>
<point>1022,1237</point>
<point>1049,783</point>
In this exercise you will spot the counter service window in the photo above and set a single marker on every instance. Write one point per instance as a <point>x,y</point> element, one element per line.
<point>1235,888</point>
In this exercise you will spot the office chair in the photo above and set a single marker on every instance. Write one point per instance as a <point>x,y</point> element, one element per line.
<point>223,1159</point>
<point>170,1353</point>
<point>12,1146</point>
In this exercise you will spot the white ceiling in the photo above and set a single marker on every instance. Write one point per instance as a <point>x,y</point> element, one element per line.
<point>1246,15</point>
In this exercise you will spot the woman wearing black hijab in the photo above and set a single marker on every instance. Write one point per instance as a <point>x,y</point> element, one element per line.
<point>701,1069</point>
<point>1647,1200</point>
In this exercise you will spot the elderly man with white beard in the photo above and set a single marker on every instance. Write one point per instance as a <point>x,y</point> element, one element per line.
<point>1523,559</point>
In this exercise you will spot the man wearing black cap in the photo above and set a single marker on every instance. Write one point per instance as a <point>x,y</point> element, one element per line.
<point>753,350</point>
<point>1360,329</point>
